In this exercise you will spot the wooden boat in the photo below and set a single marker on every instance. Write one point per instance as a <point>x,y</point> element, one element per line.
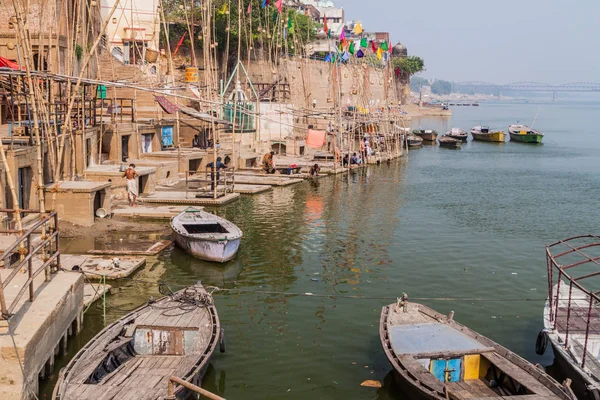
<point>447,141</point>
<point>457,133</point>
<point>414,141</point>
<point>426,134</point>
<point>572,313</point>
<point>134,357</point>
<point>484,133</point>
<point>435,357</point>
<point>206,236</point>
<point>524,134</point>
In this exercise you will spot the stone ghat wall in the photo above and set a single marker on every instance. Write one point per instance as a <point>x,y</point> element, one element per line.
<point>361,85</point>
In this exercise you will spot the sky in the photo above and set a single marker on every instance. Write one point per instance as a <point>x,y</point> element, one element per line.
<point>498,41</point>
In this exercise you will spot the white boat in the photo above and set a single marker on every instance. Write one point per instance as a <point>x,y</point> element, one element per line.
<point>457,133</point>
<point>206,236</point>
<point>572,313</point>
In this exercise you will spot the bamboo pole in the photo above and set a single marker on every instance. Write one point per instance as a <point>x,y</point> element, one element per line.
<point>11,187</point>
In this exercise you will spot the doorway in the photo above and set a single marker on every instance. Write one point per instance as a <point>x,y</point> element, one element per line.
<point>25,175</point>
<point>124,148</point>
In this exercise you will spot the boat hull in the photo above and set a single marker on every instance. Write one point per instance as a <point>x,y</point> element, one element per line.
<point>526,138</point>
<point>430,137</point>
<point>498,137</point>
<point>462,138</point>
<point>579,383</point>
<point>208,250</point>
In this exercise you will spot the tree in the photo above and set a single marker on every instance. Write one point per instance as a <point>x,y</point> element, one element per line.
<point>441,87</point>
<point>409,65</point>
<point>417,82</point>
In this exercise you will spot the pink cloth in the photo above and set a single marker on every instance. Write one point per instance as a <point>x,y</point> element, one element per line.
<point>315,138</point>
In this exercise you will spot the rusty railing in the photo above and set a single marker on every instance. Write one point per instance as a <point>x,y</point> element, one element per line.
<point>41,238</point>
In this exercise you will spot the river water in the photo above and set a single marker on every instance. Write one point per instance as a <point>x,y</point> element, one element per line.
<point>438,223</point>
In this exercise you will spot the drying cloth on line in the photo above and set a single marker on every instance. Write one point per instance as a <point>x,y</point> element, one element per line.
<point>315,138</point>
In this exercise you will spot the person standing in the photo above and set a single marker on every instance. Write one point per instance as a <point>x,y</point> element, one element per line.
<point>215,167</point>
<point>132,188</point>
<point>268,163</point>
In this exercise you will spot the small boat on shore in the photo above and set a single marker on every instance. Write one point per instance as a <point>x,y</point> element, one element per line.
<point>206,236</point>
<point>457,133</point>
<point>435,357</point>
<point>524,134</point>
<point>572,313</point>
<point>426,134</point>
<point>135,356</point>
<point>414,141</point>
<point>485,134</point>
<point>447,141</point>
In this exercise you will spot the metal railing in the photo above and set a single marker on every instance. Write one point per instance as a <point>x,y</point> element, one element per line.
<point>202,182</point>
<point>576,246</point>
<point>118,109</point>
<point>41,239</point>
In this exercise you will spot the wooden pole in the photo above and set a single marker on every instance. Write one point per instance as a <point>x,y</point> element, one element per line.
<point>187,385</point>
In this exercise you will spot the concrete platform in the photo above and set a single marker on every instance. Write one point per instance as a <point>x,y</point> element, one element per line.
<point>251,189</point>
<point>136,248</point>
<point>40,330</point>
<point>272,180</point>
<point>187,198</point>
<point>93,292</point>
<point>160,212</point>
<point>96,267</point>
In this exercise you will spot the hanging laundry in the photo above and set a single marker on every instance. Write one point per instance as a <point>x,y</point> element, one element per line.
<point>358,28</point>
<point>315,139</point>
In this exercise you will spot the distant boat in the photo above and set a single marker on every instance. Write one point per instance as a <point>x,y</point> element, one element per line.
<point>134,357</point>
<point>485,134</point>
<point>457,133</point>
<point>206,236</point>
<point>414,141</point>
<point>435,357</point>
<point>447,141</point>
<point>427,134</point>
<point>524,134</point>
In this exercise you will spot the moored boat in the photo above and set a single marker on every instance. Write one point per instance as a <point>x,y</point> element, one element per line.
<point>414,141</point>
<point>447,141</point>
<point>572,313</point>
<point>426,134</point>
<point>485,134</point>
<point>457,133</point>
<point>206,236</point>
<point>435,357</point>
<point>524,134</point>
<point>135,356</point>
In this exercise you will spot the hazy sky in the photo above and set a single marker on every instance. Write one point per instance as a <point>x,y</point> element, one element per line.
<point>499,41</point>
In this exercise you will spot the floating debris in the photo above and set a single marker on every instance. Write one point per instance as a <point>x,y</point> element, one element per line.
<point>371,383</point>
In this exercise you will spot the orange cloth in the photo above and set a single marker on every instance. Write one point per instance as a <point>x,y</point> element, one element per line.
<point>315,138</point>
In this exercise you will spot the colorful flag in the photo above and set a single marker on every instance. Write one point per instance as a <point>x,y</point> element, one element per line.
<point>360,53</point>
<point>249,8</point>
<point>351,48</point>
<point>290,25</point>
<point>328,57</point>
<point>363,43</point>
<point>379,53</point>
<point>384,46</point>
<point>179,44</point>
<point>325,27</point>
<point>223,10</point>
<point>345,56</point>
<point>373,47</point>
<point>343,34</point>
<point>358,28</point>
<point>265,3</point>
<point>279,5</point>
<point>391,48</point>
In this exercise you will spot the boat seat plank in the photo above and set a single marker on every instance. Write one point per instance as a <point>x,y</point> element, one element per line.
<point>518,374</point>
<point>591,362</point>
<point>418,372</point>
